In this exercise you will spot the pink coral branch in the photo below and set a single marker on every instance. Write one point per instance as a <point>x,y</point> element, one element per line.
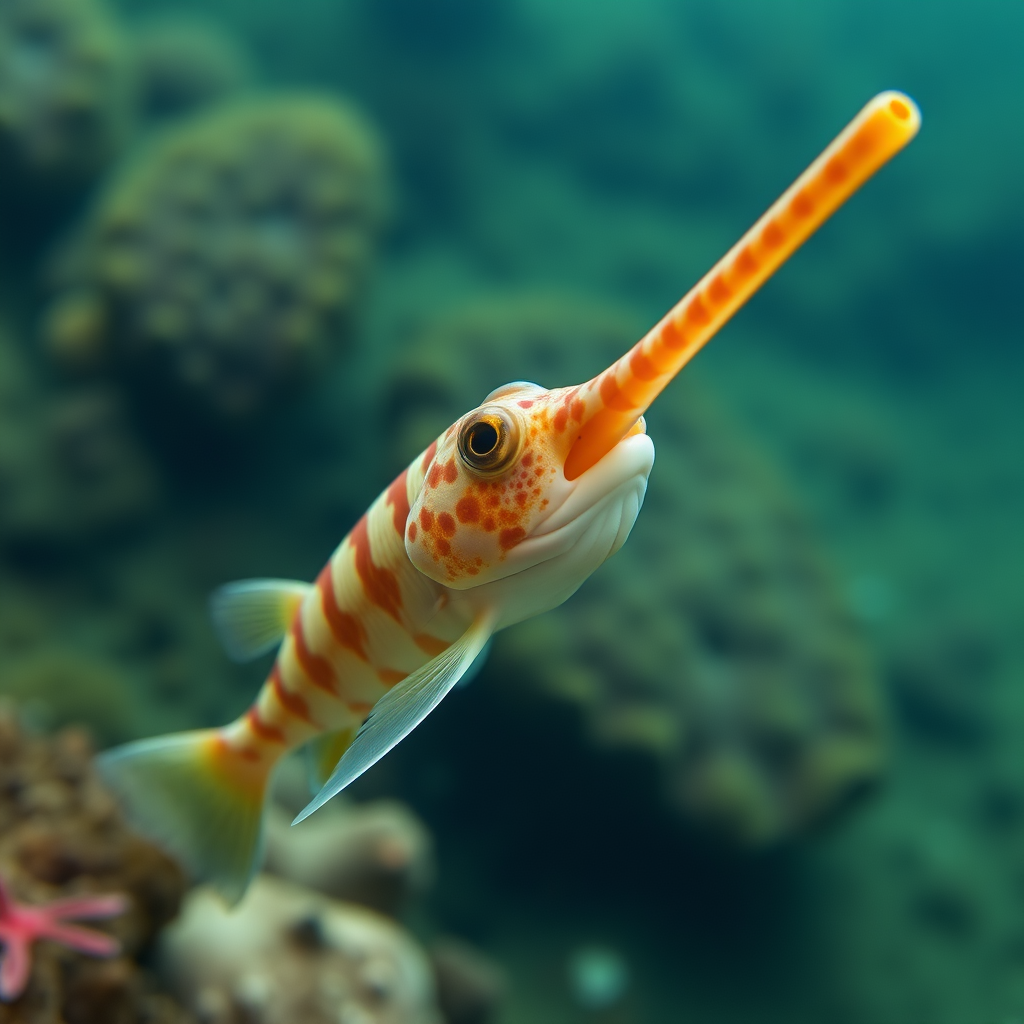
<point>87,908</point>
<point>21,925</point>
<point>85,940</point>
<point>15,968</point>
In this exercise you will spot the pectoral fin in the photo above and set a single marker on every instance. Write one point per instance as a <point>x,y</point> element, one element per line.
<point>400,710</point>
<point>252,616</point>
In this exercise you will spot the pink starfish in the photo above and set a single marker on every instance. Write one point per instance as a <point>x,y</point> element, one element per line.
<point>21,925</point>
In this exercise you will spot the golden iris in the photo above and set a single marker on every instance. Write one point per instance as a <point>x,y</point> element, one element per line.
<point>489,440</point>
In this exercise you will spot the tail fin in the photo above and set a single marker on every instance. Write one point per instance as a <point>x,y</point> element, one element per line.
<point>199,799</point>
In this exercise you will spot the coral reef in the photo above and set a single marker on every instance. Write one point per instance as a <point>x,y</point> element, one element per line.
<point>379,855</point>
<point>62,837</point>
<point>182,64</point>
<point>289,954</point>
<point>717,642</point>
<point>70,466</point>
<point>54,688</point>
<point>227,260</point>
<point>65,94</point>
<point>24,924</point>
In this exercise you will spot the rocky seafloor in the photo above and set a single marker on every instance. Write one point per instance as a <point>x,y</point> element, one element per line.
<point>766,764</point>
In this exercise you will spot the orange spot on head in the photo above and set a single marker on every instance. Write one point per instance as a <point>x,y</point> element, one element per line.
<point>527,459</point>
<point>493,500</point>
<point>507,517</point>
<point>467,509</point>
<point>577,410</point>
<point>510,538</point>
<point>561,419</point>
<point>489,524</point>
<point>434,476</point>
<point>450,472</point>
<point>442,547</point>
<point>446,523</point>
<point>426,519</point>
<point>412,531</point>
<point>521,498</point>
<point>525,403</point>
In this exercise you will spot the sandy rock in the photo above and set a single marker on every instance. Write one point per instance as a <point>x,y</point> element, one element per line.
<point>288,954</point>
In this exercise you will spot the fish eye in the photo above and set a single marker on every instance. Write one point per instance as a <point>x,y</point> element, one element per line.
<point>489,440</point>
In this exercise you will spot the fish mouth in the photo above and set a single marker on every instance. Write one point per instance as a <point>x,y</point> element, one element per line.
<point>632,458</point>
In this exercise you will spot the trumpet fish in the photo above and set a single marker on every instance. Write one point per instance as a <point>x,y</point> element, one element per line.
<point>501,518</point>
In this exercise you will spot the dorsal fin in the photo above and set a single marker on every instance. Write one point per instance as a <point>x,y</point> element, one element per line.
<point>252,616</point>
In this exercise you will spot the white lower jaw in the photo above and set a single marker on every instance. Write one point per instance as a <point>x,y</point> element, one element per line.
<point>632,456</point>
<point>575,541</point>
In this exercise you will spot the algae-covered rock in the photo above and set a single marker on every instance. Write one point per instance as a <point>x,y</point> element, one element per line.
<point>226,261</point>
<point>379,855</point>
<point>717,641</point>
<point>290,954</point>
<point>53,688</point>
<point>71,467</point>
<point>184,63</point>
<point>61,835</point>
<point>65,94</point>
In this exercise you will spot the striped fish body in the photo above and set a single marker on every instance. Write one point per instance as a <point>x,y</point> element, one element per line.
<point>511,509</point>
<point>368,622</point>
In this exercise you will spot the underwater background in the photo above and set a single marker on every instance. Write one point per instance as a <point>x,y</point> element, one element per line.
<point>766,765</point>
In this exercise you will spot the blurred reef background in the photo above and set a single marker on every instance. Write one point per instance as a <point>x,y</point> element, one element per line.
<point>766,765</point>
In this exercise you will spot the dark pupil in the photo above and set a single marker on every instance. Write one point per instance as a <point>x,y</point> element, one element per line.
<point>483,439</point>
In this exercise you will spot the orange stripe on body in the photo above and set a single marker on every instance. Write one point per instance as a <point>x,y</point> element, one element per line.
<point>431,645</point>
<point>391,676</point>
<point>223,759</point>
<point>346,629</point>
<point>317,669</point>
<point>263,729</point>
<point>379,585</point>
<point>398,499</point>
<point>288,699</point>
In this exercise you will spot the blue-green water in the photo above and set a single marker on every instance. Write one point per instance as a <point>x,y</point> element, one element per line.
<point>559,175</point>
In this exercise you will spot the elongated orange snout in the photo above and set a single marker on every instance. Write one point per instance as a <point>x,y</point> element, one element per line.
<point>618,396</point>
